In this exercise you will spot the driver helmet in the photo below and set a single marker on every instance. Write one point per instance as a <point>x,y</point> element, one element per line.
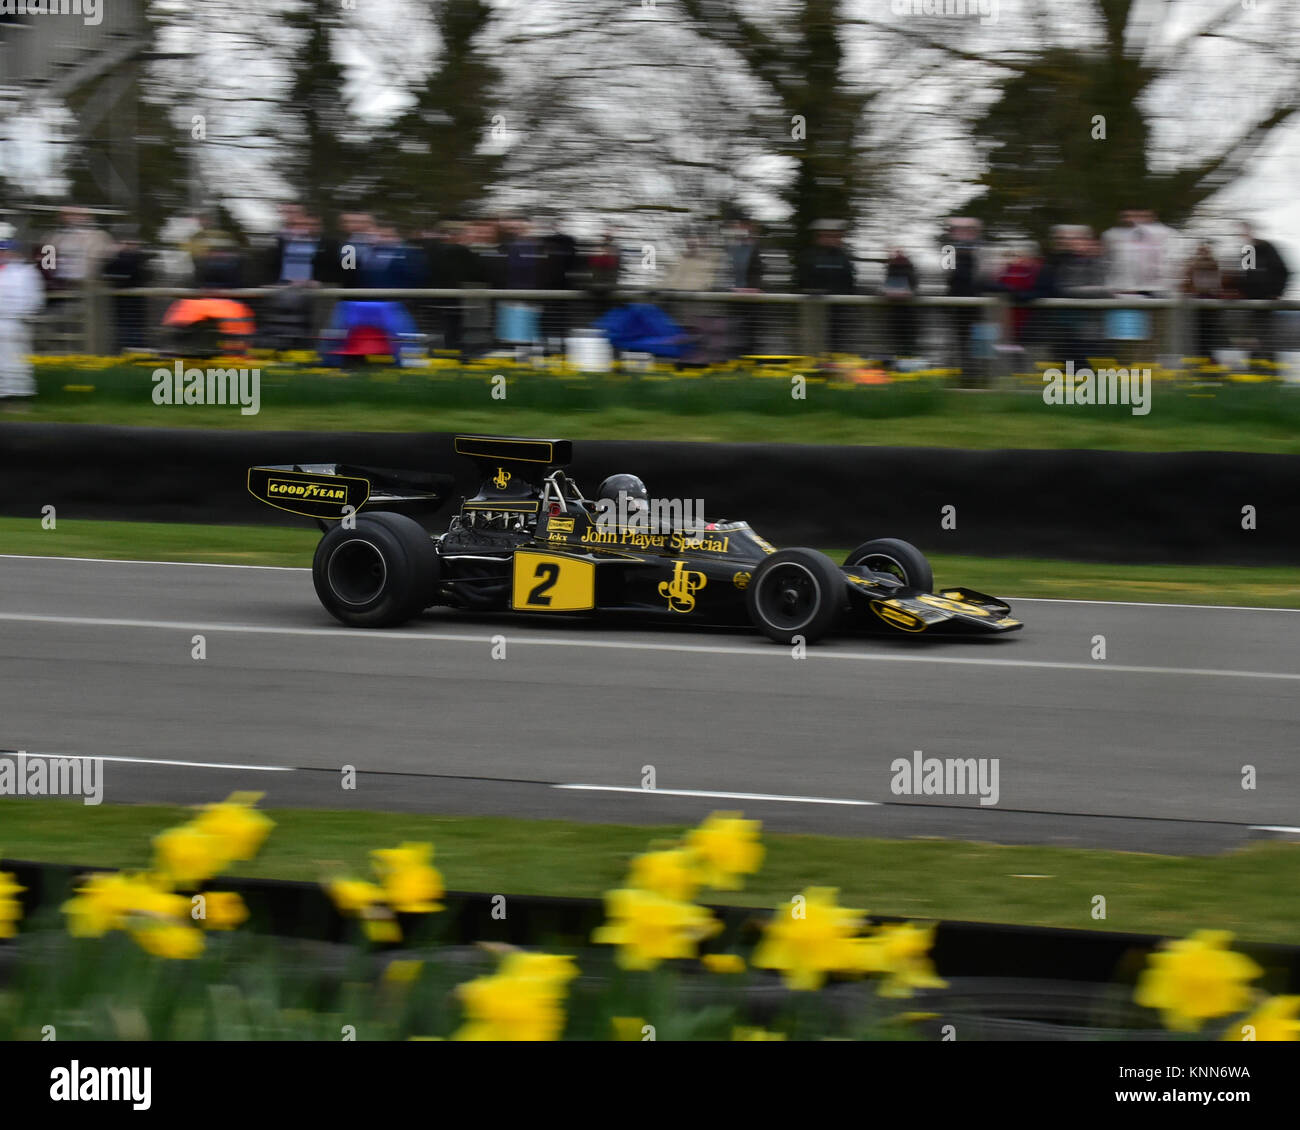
<point>627,493</point>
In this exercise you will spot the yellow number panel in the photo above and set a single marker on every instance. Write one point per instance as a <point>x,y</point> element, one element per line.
<point>546,583</point>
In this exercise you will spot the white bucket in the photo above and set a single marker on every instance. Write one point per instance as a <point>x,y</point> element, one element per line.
<point>589,351</point>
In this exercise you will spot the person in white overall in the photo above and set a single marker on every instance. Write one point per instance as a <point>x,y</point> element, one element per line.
<point>22,295</point>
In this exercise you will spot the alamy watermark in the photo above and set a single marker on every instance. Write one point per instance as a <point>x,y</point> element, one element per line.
<point>650,516</point>
<point>42,775</point>
<point>987,10</point>
<point>1104,386</point>
<point>946,776</point>
<point>180,385</point>
<point>90,11</point>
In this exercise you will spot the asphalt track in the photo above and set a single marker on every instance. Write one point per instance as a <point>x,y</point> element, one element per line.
<point>1141,751</point>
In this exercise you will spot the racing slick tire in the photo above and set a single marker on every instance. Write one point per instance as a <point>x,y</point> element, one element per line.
<point>899,558</point>
<point>796,592</point>
<point>377,575</point>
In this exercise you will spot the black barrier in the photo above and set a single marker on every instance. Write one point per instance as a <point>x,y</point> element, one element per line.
<point>1076,505</point>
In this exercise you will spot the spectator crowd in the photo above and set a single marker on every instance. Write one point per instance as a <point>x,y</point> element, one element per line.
<point>1138,257</point>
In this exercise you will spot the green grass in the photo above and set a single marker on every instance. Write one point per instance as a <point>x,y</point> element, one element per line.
<point>728,406</point>
<point>1255,892</point>
<point>274,545</point>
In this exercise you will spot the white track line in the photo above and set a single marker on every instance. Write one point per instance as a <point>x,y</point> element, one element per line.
<point>718,795</point>
<point>133,561</point>
<point>1274,828</point>
<point>304,569</point>
<point>760,651</point>
<point>151,761</point>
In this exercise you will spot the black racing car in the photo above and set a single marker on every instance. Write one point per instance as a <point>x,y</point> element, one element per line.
<point>529,541</point>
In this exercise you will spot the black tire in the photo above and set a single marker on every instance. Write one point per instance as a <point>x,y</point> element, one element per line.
<point>796,592</point>
<point>900,558</point>
<point>377,575</point>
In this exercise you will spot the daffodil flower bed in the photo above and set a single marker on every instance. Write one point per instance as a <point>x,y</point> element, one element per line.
<point>159,954</point>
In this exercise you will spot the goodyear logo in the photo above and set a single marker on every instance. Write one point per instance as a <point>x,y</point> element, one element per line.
<point>561,525</point>
<point>680,589</point>
<point>318,492</point>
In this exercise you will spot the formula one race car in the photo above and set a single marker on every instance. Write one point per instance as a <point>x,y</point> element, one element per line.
<point>529,541</point>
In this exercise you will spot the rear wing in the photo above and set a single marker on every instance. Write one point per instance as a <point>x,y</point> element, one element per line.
<point>332,491</point>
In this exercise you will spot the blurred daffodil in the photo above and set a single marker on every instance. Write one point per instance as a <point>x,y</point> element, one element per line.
<point>1195,980</point>
<point>901,952</point>
<point>223,910</point>
<point>1277,1019</point>
<point>412,885</point>
<point>810,938</point>
<point>670,873</point>
<point>236,825</point>
<point>188,856</point>
<point>723,962</point>
<point>11,910</point>
<point>726,848</point>
<point>522,1000</point>
<point>649,928</point>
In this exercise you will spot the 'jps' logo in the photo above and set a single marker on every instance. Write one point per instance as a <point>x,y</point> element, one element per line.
<point>681,587</point>
<point>502,478</point>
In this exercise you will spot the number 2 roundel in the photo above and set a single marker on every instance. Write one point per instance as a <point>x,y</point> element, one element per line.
<point>547,582</point>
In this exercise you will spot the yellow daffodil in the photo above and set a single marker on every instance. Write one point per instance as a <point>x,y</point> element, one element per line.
<point>412,885</point>
<point>523,1000</point>
<point>649,928</point>
<point>723,963</point>
<point>810,938</point>
<point>352,896</point>
<point>105,900</point>
<point>223,910</point>
<point>726,847</point>
<point>236,825</point>
<point>900,951</point>
<point>1196,979</point>
<point>188,856</point>
<point>171,940</point>
<point>670,873</point>
<point>1278,1018</point>
<point>11,909</point>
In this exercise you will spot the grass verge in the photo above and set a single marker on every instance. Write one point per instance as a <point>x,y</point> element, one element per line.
<point>732,406</point>
<point>1254,892</point>
<point>1274,587</point>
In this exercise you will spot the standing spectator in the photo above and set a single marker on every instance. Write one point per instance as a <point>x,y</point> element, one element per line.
<point>558,273</point>
<point>1263,275</point>
<point>965,280</point>
<point>80,249</point>
<point>1073,269</point>
<point>825,268</point>
<point>900,288</point>
<point>22,295</point>
<point>301,260</point>
<point>1019,280</point>
<point>1203,279</point>
<point>127,268</point>
<point>743,267</point>
<point>1137,251</point>
<point>449,265</point>
<point>604,265</point>
<point>354,250</point>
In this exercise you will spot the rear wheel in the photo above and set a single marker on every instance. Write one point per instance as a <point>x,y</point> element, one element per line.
<point>796,592</point>
<point>898,558</point>
<point>377,575</point>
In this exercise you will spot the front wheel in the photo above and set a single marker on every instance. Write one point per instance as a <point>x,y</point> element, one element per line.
<point>377,575</point>
<point>899,559</point>
<point>796,592</point>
